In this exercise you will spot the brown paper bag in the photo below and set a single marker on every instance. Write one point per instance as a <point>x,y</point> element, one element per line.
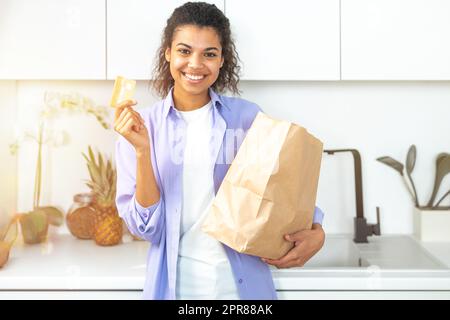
<point>269,190</point>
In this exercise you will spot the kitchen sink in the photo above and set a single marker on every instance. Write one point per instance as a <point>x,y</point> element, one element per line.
<point>386,252</point>
<point>337,252</point>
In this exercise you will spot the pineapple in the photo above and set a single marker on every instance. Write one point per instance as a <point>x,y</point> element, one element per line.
<point>108,228</point>
<point>108,231</point>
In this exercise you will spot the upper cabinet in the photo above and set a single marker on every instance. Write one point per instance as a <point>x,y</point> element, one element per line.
<point>395,40</point>
<point>52,39</point>
<point>275,40</point>
<point>286,39</point>
<point>134,35</point>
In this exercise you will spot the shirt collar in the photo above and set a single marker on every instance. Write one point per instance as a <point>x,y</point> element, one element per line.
<point>169,103</point>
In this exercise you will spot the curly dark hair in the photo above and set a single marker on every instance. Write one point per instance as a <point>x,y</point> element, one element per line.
<point>200,14</point>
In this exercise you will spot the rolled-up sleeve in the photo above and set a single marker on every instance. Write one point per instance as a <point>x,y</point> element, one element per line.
<point>318,216</point>
<point>146,223</point>
<point>145,213</point>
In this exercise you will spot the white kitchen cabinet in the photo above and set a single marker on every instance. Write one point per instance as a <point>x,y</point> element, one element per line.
<point>286,39</point>
<point>282,295</point>
<point>71,295</point>
<point>395,40</point>
<point>134,34</point>
<point>363,295</point>
<point>67,270</point>
<point>52,39</point>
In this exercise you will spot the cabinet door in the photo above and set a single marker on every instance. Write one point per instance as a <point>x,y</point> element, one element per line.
<point>52,39</point>
<point>395,40</point>
<point>134,34</point>
<point>71,295</point>
<point>286,39</point>
<point>363,295</point>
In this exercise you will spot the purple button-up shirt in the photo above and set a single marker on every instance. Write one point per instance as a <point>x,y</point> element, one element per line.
<point>160,223</point>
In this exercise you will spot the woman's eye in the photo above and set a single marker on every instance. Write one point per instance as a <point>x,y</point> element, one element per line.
<point>207,54</point>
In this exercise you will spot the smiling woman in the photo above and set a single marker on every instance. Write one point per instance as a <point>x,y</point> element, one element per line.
<point>170,165</point>
<point>209,29</point>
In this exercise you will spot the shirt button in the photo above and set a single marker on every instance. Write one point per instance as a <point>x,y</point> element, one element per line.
<point>145,215</point>
<point>240,280</point>
<point>141,228</point>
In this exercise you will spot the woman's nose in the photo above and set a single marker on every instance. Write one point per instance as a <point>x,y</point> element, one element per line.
<point>195,61</point>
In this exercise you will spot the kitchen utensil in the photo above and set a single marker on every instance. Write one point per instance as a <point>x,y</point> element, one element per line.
<point>442,169</point>
<point>442,198</point>
<point>397,166</point>
<point>409,165</point>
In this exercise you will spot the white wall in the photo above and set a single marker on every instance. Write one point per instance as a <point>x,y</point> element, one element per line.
<point>8,162</point>
<point>377,118</point>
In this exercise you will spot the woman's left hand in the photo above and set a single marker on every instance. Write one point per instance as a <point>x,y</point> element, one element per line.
<point>307,244</point>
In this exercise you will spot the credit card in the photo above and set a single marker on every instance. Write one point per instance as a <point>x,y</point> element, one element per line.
<point>123,90</point>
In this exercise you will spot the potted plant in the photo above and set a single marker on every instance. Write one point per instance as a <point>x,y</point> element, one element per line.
<point>34,224</point>
<point>431,221</point>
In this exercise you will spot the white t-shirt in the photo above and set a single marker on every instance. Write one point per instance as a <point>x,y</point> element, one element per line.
<point>203,269</point>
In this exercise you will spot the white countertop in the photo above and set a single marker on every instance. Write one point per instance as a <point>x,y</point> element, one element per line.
<point>64,262</point>
<point>67,263</point>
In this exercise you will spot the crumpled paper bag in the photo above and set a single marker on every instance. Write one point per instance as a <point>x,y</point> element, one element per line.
<point>269,190</point>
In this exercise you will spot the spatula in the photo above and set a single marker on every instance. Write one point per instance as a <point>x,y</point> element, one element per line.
<point>409,165</point>
<point>442,169</point>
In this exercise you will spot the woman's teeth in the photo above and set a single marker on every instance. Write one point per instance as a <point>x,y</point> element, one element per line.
<point>193,77</point>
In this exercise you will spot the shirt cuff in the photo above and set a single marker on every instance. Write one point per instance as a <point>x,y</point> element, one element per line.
<point>143,212</point>
<point>318,216</point>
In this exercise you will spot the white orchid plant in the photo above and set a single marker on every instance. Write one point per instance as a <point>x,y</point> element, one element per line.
<point>35,223</point>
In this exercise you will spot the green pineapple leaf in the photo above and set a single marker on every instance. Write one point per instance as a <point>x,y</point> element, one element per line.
<point>103,178</point>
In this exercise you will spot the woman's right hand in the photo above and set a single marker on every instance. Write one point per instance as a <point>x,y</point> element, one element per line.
<point>129,124</point>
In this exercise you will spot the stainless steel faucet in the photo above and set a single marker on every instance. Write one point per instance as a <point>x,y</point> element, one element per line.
<point>362,228</point>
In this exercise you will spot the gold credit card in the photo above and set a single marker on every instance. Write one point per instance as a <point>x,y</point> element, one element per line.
<point>123,90</point>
